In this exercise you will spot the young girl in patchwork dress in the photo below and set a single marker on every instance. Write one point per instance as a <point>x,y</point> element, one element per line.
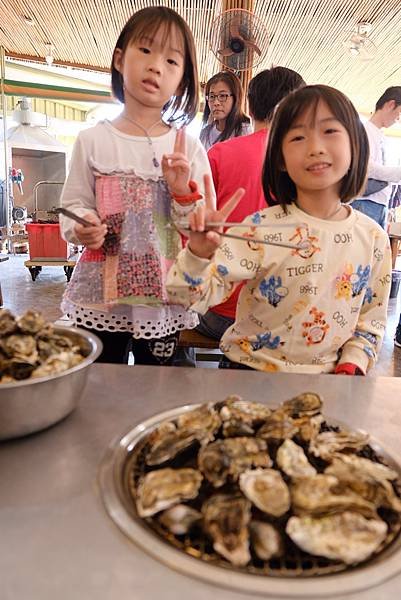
<point>320,306</point>
<point>130,178</point>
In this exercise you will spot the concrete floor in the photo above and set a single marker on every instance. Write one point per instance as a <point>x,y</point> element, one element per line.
<point>20,293</point>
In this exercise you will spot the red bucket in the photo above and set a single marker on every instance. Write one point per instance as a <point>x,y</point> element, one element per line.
<point>45,241</point>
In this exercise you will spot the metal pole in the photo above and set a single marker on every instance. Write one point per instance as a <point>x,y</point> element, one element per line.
<point>4,107</point>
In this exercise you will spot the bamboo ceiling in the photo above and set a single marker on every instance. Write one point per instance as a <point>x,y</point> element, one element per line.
<point>305,35</point>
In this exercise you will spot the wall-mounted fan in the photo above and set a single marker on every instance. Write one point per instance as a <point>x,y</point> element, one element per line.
<point>358,43</point>
<point>239,39</point>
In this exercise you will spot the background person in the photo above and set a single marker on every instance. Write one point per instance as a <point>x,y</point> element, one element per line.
<point>237,163</point>
<point>223,116</point>
<point>375,203</point>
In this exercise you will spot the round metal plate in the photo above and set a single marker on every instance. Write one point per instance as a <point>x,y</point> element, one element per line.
<point>120,508</point>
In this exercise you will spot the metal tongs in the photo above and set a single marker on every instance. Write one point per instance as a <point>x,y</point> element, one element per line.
<point>110,237</point>
<point>302,245</point>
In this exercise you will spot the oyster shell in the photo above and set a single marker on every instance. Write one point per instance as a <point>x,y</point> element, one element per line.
<point>8,324</point>
<point>306,404</point>
<point>179,519</point>
<point>226,520</point>
<point>368,479</point>
<point>327,443</point>
<point>348,536</point>
<point>31,322</point>
<point>230,457</point>
<point>161,489</point>
<point>58,363</point>
<point>308,427</point>
<point>325,494</point>
<point>169,439</point>
<point>20,346</point>
<point>292,460</point>
<point>266,489</point>
<point>279,426</point>
<point>240,417</point>
<point>265,540</point>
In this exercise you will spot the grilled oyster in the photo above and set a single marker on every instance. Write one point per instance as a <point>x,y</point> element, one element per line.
<point>226,520</point>
<point>179,519</point>
<point>31,322</point>
<point>348,536</point>
<point>20,346</point>
<point>266,489</point>
<point>366,478</point>
<point>308,427</point>
<point>327,443</point>
<point>279,426</point>
<point>292,460</point>
<point>240,417</point>
<point>161,489</point>
<point>168,440</point>
<point>324,494</point>
<point>8,324</point>
<point>307,404</point>
<point>230,457</point>
<point>265,540</point>
<point>57,364</point>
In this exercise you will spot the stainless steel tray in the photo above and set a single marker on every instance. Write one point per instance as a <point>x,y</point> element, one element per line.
<point>120,507</point>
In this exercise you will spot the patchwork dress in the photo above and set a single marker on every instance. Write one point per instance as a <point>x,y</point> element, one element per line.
<point>121,286</point>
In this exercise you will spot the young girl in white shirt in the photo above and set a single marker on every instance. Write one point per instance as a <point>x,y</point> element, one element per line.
<point>319,307</point>
<point>127,177</point>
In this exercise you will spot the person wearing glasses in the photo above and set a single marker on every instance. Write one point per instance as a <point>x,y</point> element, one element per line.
<point>223,117</point>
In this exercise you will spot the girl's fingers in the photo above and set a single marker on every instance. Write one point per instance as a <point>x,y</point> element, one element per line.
<point>231,204</point>
<point>178,162</point>
<point>180,144</point>
<point>209,200</point>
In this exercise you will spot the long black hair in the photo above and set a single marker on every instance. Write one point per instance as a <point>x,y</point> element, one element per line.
<point>236,118</point>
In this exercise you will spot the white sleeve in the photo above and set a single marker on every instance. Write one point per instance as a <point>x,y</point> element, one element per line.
<point>376,170</point>
<point>79,189</point>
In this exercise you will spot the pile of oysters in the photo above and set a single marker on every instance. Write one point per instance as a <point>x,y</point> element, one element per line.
<point>252,481</point>
<point>30,348</point>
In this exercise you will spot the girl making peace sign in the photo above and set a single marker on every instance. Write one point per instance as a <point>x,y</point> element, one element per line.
<point>127,177</point>
<point>321,306</point>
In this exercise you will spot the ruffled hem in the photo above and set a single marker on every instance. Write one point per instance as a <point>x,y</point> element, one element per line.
<point>142,322</point>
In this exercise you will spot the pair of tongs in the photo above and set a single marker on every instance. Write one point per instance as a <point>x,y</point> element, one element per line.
<point>109,237</point>
<point>302,245</point>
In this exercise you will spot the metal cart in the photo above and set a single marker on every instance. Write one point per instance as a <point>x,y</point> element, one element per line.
<point>46,247</point>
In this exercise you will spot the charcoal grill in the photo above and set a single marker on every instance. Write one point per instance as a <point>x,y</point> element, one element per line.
<point>296,574</point>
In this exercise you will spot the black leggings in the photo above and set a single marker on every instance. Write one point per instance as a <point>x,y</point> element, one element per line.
<point>118,344</point>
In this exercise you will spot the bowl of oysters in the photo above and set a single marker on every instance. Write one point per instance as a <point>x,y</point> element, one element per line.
<point>43,370</point>
<point>255,491</point>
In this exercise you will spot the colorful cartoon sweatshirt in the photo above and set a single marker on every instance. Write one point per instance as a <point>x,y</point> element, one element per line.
<point>304,309</point>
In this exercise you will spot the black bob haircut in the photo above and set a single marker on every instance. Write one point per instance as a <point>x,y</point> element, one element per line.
<point>146,22</point>
<point>277,185</point>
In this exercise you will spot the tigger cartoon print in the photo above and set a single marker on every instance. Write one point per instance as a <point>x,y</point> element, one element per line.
<point>309,242</point>
<point>316,329</point>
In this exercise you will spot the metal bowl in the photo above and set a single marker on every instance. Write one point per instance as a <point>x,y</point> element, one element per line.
<point>34,404</point>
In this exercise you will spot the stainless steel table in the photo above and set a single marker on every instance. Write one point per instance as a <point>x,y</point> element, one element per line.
<point>56,538</point>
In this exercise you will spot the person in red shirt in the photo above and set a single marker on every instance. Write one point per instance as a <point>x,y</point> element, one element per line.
<point>237,163</point>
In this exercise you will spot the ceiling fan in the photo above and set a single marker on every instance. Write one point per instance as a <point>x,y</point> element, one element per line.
<point>358,43</point>
<point>238,39</point>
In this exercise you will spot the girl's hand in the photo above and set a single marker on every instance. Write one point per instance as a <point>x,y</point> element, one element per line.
<point>176,168</point>
<point>91,237</point>
<point>201,243</point>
